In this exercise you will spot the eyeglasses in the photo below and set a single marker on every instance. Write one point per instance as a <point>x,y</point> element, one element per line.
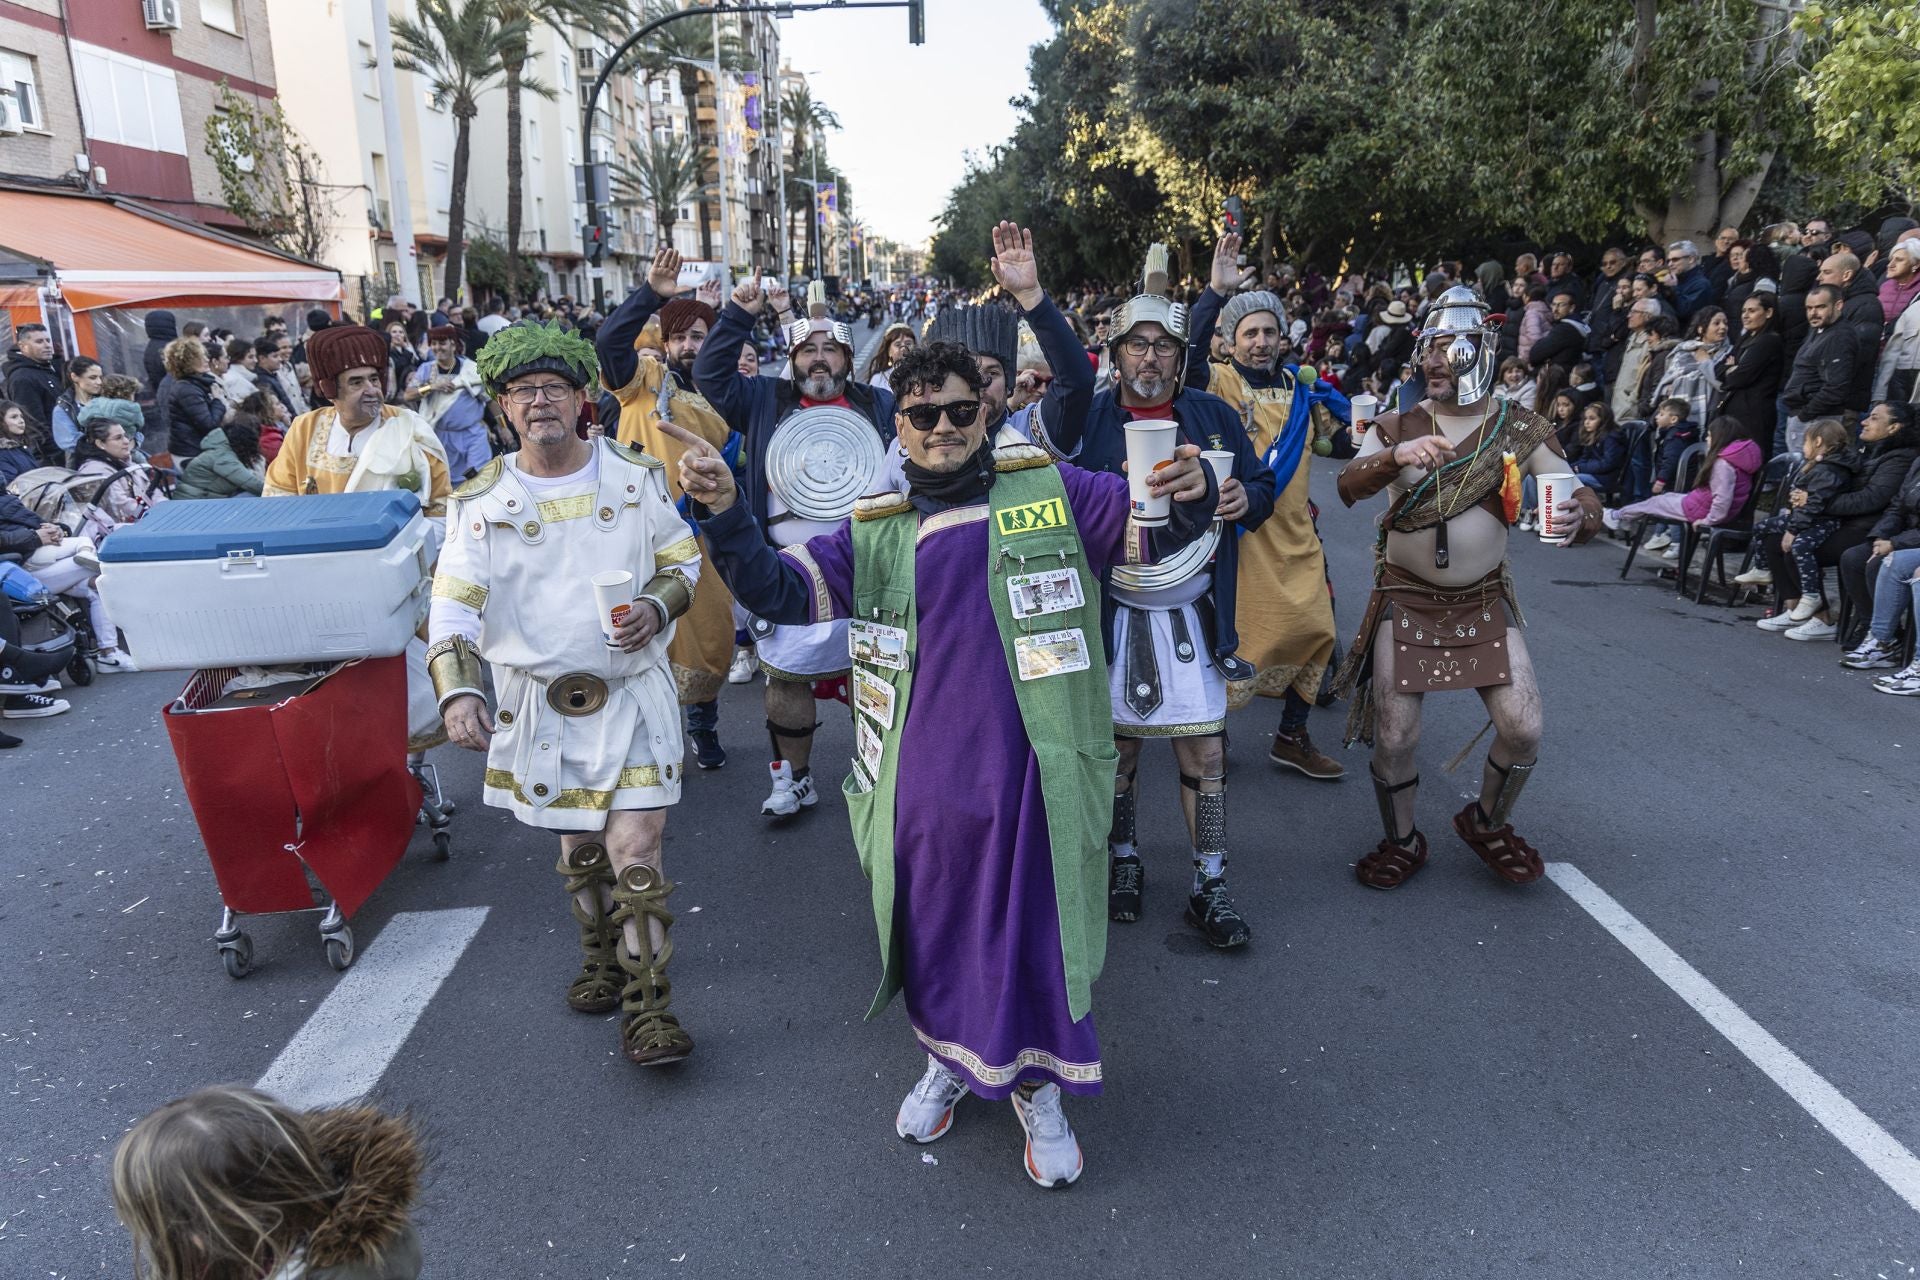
<point>1159,346</point>
<point>1675,259</point>
<point>551,392</point>
<point>925,417</point>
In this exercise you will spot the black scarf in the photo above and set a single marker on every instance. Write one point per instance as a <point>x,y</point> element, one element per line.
<point>966,484</point>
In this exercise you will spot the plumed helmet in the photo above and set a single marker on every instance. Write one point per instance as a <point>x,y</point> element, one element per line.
<point>990,330</point>
<point>1151,305</point>
<point>1458,320</point>
<point>800,330</point>
<point>531,347</point>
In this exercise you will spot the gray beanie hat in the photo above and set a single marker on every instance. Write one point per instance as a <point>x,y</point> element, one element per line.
<point>1242,305</point>
<point>990,330</point>
<point>125,412</point>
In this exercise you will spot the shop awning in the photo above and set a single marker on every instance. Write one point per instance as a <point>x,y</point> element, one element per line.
<point>112,253</point>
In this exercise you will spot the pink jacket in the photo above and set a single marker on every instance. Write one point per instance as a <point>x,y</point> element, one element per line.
<point>1534,323</point>
<point>1726,490</point>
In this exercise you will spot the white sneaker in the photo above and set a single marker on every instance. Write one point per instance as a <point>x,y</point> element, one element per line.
<point>114,660</point>
<point>1778,622</point>
<point>1658,542</point>
<point>1904,683</point>
<point>1527,522</point>
<point>1053,1153</point>
<point>1672,552</point>
<point>1870,656</point>
<point>1812,629</point>
<point>1755,577</point>
<point>745,664</point>
<point>1807,607</point>
<point>31,706</point>
<point>788,797</point>
<point>927,1113</point>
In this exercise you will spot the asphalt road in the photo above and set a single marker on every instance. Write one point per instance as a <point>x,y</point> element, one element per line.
<point>1459,1078</point>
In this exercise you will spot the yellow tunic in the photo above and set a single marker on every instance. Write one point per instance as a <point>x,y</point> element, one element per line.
<point>1282,609</point>
<point>702,644</point>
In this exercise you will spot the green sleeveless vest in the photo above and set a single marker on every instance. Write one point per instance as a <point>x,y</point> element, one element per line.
<point>1067,717</point>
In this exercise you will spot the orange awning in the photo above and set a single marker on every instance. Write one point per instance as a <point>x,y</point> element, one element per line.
<point>106,253</point>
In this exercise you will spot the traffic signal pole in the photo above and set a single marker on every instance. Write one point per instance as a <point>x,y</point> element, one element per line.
<point>916,33</point>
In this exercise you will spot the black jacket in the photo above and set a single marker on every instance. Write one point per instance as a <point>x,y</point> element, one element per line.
<point>161,329</point>
<point>19,527</point>
<point>1571,285</point>
<point>270,383</point>
<point>1750,377</point>
<point>191,410</point>
<point>1565,345</point>
<point>1824,482</point>
<point>1821,383</point>
<point>1860,311</point>
<point>1900,524</point>
<point>1875,486</point>
<point>1797,275</point>
<point>34,386</point>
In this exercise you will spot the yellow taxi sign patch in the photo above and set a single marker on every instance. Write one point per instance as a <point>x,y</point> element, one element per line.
<point>1029,516</point>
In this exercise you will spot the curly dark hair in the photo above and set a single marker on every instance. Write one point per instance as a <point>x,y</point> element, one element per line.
<point>926,368</point>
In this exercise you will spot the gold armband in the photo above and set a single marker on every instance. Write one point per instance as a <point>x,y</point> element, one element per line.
<point>670,592</point>
<point>456,669</point>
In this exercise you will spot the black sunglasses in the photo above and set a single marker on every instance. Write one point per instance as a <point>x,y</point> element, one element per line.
<point>925,417</point>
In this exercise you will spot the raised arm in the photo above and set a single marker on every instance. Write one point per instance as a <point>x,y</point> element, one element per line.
<point>716,370</point>
<point>614,342</point>
<point>1071,393</point>
<point>1228,278</point>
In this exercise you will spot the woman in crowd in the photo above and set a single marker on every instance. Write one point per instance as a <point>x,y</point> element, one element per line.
<point>229,462</point>
<point>84,376</point>
<point>1895,376</point>
<point>1690,372</point>
<point>1883,577</point>
<point>1793,537</point>
<point>1884,507</point>
<point>1729,471</point>
<point>1750,373</point>
<point>402,360</point>
<point>1607,326</point>
<point>108,433</point>
<point>230,1184</point>
<point>749,360</point>
<point>17,440</point>
<point>1535,319</point>
<point>186,397</point>
<point>894,343</point>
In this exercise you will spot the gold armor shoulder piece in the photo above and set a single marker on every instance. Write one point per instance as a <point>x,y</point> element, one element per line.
<point>482,480</point>
<point>877,506</point>
<point>1020,457</point>
<point>632,454</point>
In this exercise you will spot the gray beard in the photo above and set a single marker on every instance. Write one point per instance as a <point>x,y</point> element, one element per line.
<point>1161,388</point>
<point>822,386</point>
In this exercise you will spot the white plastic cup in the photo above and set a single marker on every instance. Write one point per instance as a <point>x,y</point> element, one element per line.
<point>1221,460</point>
<point>613,596</point>
<point>1555,488</point>
<point>1364,408</point>
<point>1149,447</point>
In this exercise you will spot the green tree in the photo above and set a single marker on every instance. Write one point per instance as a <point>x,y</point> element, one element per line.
<point>270,177</point>
<point>661,176</point>
<point>1864,91</point>
<point>454,45</point>
<point>487,263</point>
<point>687,48</point>
<point>806,119</point>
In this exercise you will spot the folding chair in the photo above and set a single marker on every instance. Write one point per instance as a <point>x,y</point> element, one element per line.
<point>1683,480</point>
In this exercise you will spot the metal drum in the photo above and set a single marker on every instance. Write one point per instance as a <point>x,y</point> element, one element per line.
<point>823,460</point>
<point>1188,561</point>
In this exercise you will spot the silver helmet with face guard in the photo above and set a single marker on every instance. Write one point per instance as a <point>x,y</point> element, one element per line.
<point>1458,324</point>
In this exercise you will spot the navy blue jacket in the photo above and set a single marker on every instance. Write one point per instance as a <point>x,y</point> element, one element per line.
<point>754,406</point>
<point>1211,423</point>
<point>615,337</point>
<point>1602,459</point>
<point>1070,394</point>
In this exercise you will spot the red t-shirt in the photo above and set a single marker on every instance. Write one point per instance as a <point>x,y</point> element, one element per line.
<point>1163,412</point>
<point>840,400</point>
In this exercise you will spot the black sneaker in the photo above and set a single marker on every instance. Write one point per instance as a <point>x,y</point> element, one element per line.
<point>706,748</point>
<point>31,706</point>
<point>1126,877</point>
<point>1211,911</point>
<point>8,740</point>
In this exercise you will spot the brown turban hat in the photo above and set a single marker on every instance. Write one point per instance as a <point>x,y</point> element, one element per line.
<point>337,348</point>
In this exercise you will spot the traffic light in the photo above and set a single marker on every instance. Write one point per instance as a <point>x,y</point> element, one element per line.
<point>596,243</point>
<point>916,21</point>
<point>1236,215</point>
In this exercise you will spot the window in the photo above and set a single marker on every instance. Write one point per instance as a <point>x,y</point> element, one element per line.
<point>221,14</point>
<point>16,77</point>
<point>382,206</point>
<point>586,59</point>
<point>133,103</point>
<point>442,186</point>
<point>369,74</point>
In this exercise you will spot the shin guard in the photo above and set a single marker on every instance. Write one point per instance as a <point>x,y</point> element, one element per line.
<point>650,1035</point>
<point>589,878</point>
<point>1504,784</point>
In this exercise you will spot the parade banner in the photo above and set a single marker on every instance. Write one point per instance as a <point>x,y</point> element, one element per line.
<point>826,200</point>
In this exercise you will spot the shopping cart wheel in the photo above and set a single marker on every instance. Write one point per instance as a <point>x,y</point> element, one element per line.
<point>236,955</point>
<point>340,949</point>
<point>442,845</point>
<point>80,671</point>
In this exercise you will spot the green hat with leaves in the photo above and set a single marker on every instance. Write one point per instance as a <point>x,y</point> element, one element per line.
<point>531,347</point>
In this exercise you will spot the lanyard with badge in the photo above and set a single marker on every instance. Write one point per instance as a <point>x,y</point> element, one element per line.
<point>1042,592</point>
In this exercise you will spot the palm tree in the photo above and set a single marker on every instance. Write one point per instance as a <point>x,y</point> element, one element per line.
<point>661,177</point>
<point>805,118</point>
<point>687,47</point>
<point>455,46</point>
<point>521,15</point>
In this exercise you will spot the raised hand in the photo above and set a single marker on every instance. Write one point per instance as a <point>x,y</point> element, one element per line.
<point>663,274</point>
<point>1014,265</point>
<point>748,297</point>
<point>1227,271</point>
<point>709,293</point>
<point>782,300</point>
<point>704,474</point>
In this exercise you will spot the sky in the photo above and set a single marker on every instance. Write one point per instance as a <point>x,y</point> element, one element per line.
<point>910,114</point>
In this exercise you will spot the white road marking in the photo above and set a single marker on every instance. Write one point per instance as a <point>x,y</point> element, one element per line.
<point>346,1045</point>
<point>1879,1150</point>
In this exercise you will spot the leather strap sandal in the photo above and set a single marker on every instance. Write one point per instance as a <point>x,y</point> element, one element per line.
<point>1506,854</point>
<point>1391,865</point>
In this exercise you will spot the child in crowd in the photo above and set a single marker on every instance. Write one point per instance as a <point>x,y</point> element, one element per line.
<point>1598,454</point>
<point>229,1184</point>
<point>1516,382</point>
<point>1731,469</point>
<point>1802,526</point>
<point>1563,411</point>
<point>1673,433</point>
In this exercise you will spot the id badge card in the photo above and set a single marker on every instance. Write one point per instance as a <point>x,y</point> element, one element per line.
<point>873,696</point>
<point>866,740</point>
<point>877,644</point>
<point>1051,591</point>
<point>1051,653</point>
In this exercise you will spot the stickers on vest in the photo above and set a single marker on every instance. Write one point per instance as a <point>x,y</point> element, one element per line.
<point>1049,591</point>
<point>1051,653</point>
<point>873,696</point>
<point>867,741</point>
<point>1028,517</point>
<point>877,644</point>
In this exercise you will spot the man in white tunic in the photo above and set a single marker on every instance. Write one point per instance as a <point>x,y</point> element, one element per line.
<point>585,737</point>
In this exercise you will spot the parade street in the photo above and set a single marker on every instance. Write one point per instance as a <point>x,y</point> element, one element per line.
<point>1459,1078</point>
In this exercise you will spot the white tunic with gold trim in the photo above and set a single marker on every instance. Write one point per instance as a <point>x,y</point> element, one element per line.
<point>515,578</point>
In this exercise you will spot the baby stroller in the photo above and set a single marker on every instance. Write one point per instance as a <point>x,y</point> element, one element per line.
<point>39,635</point>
